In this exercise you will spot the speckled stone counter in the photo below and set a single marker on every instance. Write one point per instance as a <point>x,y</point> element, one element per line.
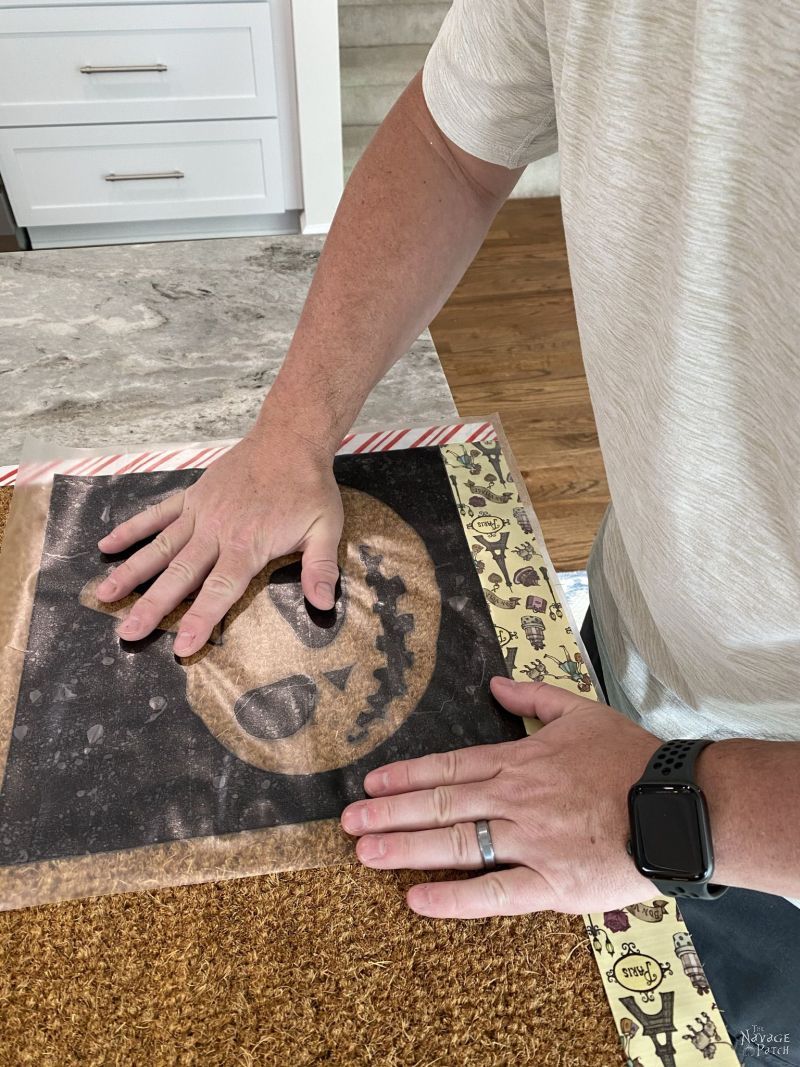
<point>137,344</point>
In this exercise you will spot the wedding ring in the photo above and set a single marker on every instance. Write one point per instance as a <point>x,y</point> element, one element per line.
<point>485,844</point>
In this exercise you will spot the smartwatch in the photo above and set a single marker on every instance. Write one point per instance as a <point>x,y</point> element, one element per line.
<point>670,832</point>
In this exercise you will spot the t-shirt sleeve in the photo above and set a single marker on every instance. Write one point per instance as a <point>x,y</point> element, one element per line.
<point>488,84</point>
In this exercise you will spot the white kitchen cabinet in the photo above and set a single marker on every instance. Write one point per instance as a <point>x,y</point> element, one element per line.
<point>132,172</point>
<point>132,64</point>
<point>128,121</point>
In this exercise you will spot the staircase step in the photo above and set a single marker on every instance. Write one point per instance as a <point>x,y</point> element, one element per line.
<point>368,105</point>
<point>386,24</point>
<point>389,64</point>
<point>373,78</point>
<point>370,3</point>
<point>354,140</point>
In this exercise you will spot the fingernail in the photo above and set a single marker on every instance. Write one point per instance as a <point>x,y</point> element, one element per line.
<point>105,540</point>
<point>107,588</point>
<point>355,818</point>
<point>325,592</point>
<point>182,643</point>
<point>376,782</point>
<point>130,626</point>
<point>419,897</point>
<point>508,683</point>
<point>371,848</point>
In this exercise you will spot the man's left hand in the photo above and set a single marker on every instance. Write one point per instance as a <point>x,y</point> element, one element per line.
<point>556,803</point>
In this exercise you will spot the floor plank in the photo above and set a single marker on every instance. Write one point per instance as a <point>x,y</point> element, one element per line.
<point>508,341</point>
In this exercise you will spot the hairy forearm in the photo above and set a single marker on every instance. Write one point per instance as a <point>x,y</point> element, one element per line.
<point>753,794</point>
<point>410,221</point>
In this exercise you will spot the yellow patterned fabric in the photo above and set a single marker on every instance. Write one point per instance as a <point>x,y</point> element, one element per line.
<point>664,1011</point>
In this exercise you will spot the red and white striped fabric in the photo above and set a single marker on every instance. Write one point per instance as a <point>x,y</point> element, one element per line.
<point>180,457</point>
<point>418,437</point>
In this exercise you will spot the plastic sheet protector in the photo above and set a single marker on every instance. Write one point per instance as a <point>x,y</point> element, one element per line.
<point>124,767</point>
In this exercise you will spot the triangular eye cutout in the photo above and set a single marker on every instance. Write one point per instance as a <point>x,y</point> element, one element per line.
<point>315,628</point>
<point>339,678</point>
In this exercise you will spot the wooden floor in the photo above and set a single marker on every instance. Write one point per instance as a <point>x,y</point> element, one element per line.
<point>508,342</point>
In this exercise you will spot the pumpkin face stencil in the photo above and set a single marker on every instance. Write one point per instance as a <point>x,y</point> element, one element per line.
<point>277,720</point>
<point>355,675</point>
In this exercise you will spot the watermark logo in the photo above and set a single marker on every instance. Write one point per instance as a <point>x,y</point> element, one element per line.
<point>757,1043</point>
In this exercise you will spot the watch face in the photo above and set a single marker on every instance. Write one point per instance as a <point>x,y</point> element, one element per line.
<point>671,836</point>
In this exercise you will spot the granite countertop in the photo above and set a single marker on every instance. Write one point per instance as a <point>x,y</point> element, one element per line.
<point>138,344</point>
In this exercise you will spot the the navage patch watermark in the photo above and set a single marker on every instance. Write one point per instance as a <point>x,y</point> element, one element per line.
<point>758,1043</point>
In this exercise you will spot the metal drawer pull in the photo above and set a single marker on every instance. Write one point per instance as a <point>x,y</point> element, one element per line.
<point>154,176</point>
<point>125,69</point>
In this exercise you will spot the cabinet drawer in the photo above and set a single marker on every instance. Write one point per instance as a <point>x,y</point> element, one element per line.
<point>198,61</point>
<point>91,174</point>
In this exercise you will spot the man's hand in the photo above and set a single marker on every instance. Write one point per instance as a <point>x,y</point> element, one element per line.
<point>556,803</point>
<point>243,512</point>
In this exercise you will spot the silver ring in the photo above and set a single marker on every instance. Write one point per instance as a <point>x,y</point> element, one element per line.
<point>485,844</point>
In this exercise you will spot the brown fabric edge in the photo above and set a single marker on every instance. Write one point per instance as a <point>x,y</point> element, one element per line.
<point>20,557</point>
<point>240,855</point>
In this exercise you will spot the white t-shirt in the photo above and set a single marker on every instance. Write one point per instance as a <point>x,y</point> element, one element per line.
<point>678,126</point>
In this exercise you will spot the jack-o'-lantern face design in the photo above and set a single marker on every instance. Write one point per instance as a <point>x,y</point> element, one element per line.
<point>296,691</point>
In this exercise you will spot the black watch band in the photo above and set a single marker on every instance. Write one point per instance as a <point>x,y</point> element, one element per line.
<point>674,760</point>
<point>672,765</point>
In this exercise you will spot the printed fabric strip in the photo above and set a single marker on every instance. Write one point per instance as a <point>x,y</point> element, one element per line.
<point>661,1002</point>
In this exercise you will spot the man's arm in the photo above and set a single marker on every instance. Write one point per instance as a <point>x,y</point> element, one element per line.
<point>753,793</point>
<point>411,219</point>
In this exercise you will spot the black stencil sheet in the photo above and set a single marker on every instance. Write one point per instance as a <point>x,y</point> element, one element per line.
<point>106,752</point>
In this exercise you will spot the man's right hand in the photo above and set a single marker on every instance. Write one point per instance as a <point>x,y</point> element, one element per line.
<point>248,508</point>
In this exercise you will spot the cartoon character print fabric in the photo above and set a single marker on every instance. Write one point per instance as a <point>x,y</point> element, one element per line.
<point>516,579</point>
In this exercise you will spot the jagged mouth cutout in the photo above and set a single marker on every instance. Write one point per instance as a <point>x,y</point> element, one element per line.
<point>282,708</point>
